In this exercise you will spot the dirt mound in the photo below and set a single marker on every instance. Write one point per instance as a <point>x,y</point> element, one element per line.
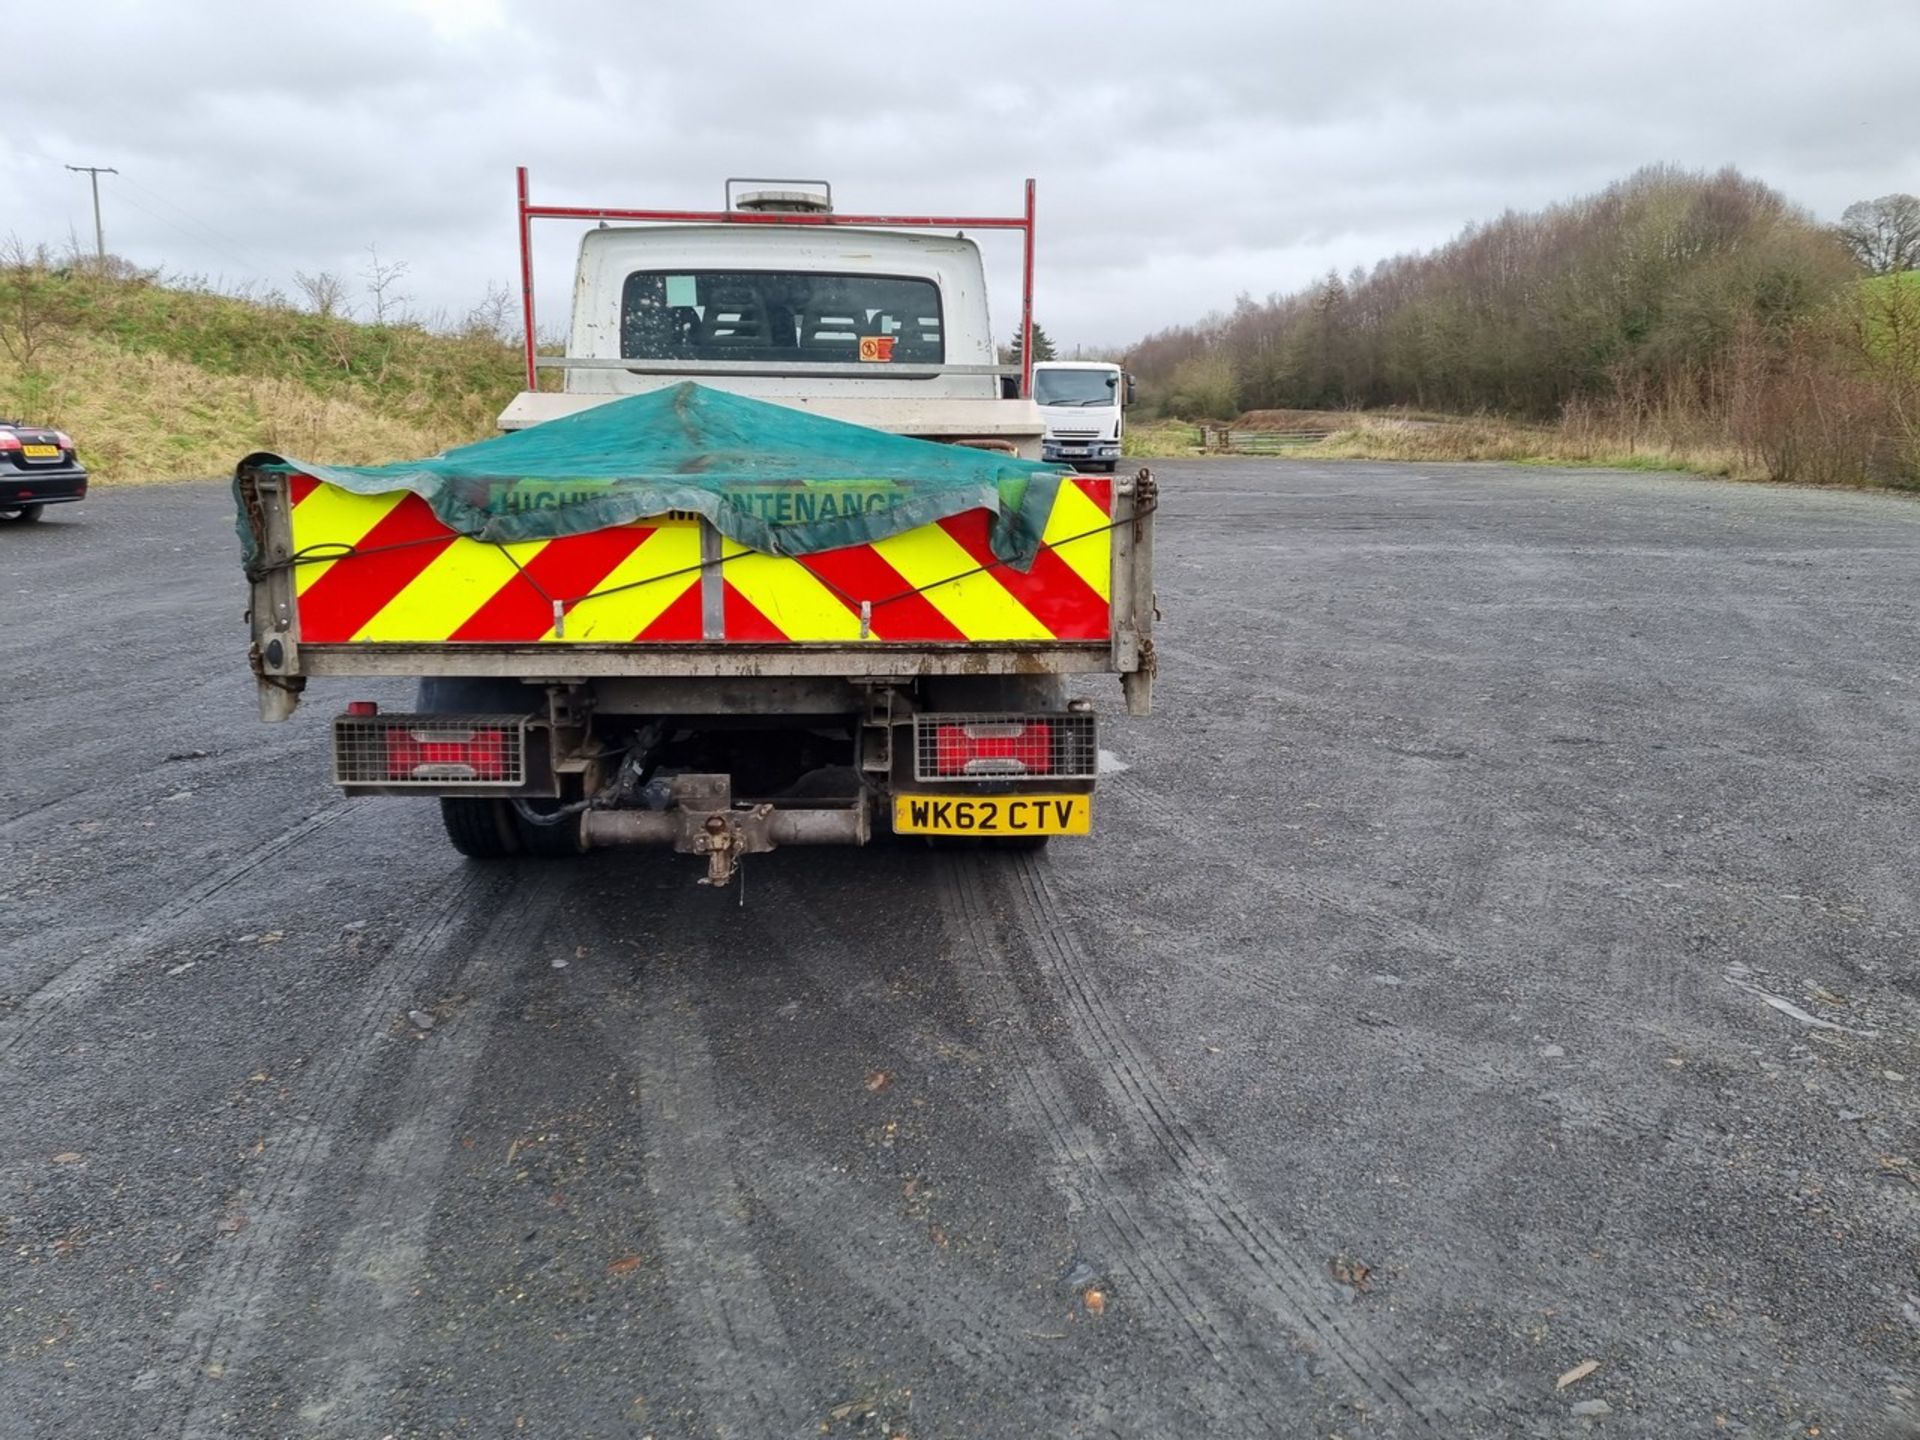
<point>1320,422</point>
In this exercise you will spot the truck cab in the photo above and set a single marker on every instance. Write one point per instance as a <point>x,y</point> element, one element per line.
<point>1082,404</point>
<point>725,295</point>
<point>780,299</point>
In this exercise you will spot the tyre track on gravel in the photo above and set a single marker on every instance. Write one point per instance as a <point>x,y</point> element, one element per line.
<point>1658,1003</point>
<point>382,1251</point>
<point>1502,1069</point>
<point>742,1363</point>
<point>979,1330</point>
<point>87,976</point>
<point>1205,1207</point>
<point>1638,997</point>
<point>220,1327</point>
<point>1163,813</point>
<point>969,1321</point>
<point>232,760</point>
<point>1232,1377</point>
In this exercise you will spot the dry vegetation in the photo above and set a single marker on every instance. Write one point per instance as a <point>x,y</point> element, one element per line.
<point>1679,320</point>
<point>162,381</point>
<point>1676,320</point>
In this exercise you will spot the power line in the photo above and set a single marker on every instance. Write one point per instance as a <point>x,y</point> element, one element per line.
<point>206,233</point>
<point>94,172</point>
<point>245,263</point>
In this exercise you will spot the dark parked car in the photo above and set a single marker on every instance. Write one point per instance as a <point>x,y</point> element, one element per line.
<point>37,468</point>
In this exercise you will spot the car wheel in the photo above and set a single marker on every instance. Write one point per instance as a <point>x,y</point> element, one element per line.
<point>481,829</point>
<point>26,514</point>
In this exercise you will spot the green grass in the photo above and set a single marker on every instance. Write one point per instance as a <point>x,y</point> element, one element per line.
<point>1401,435</point>
<point>1159,440</point>
<point>158,381</point>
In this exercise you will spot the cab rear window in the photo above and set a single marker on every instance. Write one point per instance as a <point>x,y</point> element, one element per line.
<point>780,315</point>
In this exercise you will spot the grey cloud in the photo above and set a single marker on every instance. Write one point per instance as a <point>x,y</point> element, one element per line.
<point>1185,153</point>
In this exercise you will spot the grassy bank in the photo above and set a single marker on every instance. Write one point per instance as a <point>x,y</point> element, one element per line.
<point>1492,439</point>
<point>162,382</point>
<point>1352,435</point>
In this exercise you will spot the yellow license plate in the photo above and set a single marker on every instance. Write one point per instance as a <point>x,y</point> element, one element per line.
<point>40,452</point>
<point>992,814</point>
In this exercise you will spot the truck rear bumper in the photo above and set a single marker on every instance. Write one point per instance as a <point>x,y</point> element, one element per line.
<point>585,778</point>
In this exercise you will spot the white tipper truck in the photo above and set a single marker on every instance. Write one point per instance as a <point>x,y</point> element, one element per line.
<point>661,682</point>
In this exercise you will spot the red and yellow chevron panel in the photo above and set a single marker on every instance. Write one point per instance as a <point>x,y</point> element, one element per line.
<point>401,577</point>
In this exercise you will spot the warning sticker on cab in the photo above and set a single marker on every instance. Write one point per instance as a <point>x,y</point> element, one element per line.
<point>993,815</point>
<point>876,348</point>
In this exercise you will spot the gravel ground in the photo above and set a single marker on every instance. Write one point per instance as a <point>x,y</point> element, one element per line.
<point>1496,958</point>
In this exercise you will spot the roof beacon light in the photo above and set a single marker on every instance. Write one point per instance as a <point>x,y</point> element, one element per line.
<point>785,202</point>
<point>779,197</point>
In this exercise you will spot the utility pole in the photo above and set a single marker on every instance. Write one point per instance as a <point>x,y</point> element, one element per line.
<point>94,172</point>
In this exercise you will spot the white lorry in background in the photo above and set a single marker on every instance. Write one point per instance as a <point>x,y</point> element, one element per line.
<point>1081,403</point>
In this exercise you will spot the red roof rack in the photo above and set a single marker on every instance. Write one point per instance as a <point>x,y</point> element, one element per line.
<point>529,212</point>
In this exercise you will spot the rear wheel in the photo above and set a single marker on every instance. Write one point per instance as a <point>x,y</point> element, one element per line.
<point>26,514</point>
<point>481,829</point>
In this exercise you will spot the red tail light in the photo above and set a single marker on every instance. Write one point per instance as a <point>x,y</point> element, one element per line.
<point>10,441</point>
<point>421,754</point>
<point>1009,748</point>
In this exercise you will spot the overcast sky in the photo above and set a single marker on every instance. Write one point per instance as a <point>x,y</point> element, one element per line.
<point>1186,152</point>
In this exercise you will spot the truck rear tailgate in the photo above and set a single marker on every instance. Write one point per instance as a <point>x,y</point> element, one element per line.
<point>689,533</point>
<point>371,570</point>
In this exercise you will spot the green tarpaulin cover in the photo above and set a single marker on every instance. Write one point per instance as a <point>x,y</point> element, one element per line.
<point>774,478</point>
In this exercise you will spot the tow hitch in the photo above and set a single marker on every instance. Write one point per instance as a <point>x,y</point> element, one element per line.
<point>701,819</point>
<point>724,845</point>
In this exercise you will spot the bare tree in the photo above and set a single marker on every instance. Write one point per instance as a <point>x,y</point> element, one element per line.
<point>383,282</point>
<point>494,314</point>
<point>326,292</point>
<point>34,306</point>
<point>1883,234</point>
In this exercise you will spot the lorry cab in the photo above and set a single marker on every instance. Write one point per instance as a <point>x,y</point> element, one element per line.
<point>783,304</point>
<point>1081,404</point>
<point>781,299</point>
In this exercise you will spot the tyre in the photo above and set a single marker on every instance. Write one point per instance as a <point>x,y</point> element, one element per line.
<point>558,841</point>
<point>26,514</point>
<point>481,829</point>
